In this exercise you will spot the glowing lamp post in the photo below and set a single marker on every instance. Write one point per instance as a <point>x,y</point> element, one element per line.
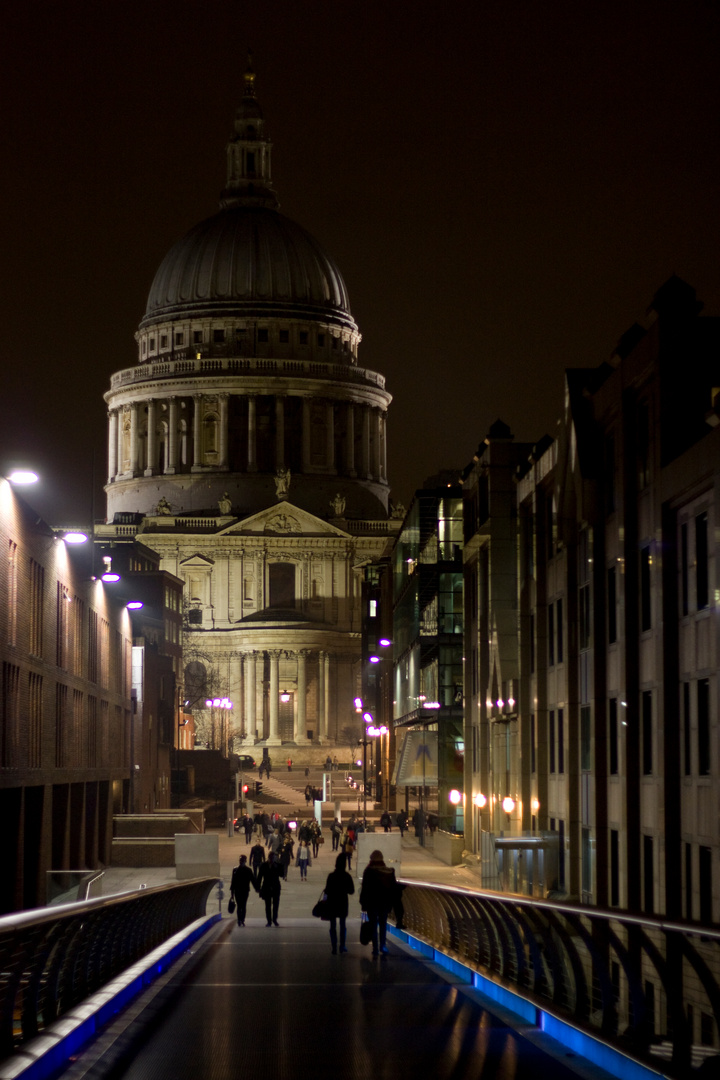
<point>224,704</point>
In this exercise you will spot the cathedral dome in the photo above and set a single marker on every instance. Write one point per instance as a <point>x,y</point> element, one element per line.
<point>248,261</point>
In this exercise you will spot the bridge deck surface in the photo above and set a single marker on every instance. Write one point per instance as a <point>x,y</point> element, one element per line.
<point>262,1002</point>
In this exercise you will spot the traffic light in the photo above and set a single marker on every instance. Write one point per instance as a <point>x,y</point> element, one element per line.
<point>245,789</point>
<point>258,787</point>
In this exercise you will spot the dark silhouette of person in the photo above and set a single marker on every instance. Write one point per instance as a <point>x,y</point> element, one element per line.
<point>270,885</point>
<point>257,858</point>
<point>240,883</point>
<point>377,897</point>
<point>338,887</point>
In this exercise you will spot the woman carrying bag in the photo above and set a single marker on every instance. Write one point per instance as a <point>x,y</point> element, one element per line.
<point>338,887</point>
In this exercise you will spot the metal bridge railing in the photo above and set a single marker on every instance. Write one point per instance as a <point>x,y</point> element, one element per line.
<point>53,958</point>
<point>644,985</point>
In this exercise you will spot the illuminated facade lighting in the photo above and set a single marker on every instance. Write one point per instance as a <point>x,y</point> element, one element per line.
<point>455,797</point>
<point>480,800</point>
<point>23,476</point>
<point>508,804</point>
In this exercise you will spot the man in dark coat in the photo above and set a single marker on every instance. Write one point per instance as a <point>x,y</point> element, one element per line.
<point>240,883</point>
<point>257,858</point>
<point>270,879</point>
<point>377,897</point>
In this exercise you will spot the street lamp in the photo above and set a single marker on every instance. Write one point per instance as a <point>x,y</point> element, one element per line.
<point>223,703</point>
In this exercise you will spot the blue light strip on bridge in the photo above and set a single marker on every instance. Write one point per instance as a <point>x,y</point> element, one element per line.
<point>572,1038</point>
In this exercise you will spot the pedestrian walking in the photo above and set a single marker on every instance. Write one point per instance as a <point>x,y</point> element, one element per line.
<point>336,832</point>
<point>289,764</point>
<point>348,846</point>
<point>241,882</point>
<point>270,886</point>
<point>386,821</point>
<point>316,837</point>
<point>303,859</point>
<point>285,854</point>
<point>338,887</point>
<point>248,823</point>
<point>257,858</point>
<point>377,897</point>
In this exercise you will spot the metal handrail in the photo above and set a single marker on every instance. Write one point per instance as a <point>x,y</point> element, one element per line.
<point>633,981</point>
<point>53,958</point>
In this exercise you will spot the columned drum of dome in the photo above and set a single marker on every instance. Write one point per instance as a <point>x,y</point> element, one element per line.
<point>247,366</point>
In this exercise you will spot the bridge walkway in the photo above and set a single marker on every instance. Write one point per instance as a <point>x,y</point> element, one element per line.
<point>274,1003</point>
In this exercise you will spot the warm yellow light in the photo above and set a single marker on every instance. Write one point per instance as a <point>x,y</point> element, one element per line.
<point>480,800</point>
<point>455,796</point>
<point>508,804</point>
<point>535,805</point>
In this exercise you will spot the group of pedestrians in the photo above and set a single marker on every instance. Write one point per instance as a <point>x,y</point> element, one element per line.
<point>380,892</point>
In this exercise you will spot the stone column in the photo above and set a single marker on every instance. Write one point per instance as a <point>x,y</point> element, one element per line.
<point>350,440</point>
<point>197,433</point>
<point>151,463</point>
<point>273,738</point>
<point>305,434</point>
<point>235,688</point>
<point>260,693</point>
<point>375,464</point>
<point>301,718</point>
<point>223,403</point>
<point>112,444</point>
<point>120,453</point>
<point>329,435</point>
<point>326,699</point>
<point>250,694</point>
<point>171,453</point>
<point>365,462</point>
<point>322,690</point>
<point>134,438</point>
<point>252,435</point>
<point>279,431</point>
<point>383,445</point>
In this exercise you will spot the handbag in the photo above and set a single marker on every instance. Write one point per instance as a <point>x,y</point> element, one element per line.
<point>322,908</point>
<point>365,929</point>
<point>231,907</point>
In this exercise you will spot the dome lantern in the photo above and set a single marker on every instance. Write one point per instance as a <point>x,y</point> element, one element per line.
<point>248,154</point>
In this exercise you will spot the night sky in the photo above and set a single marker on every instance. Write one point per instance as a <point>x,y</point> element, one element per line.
<point>504,186</point>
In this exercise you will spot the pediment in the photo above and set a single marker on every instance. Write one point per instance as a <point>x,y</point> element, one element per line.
<point>282,519</point>
<point>197,562</point>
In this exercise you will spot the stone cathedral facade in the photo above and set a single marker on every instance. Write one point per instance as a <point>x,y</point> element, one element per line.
<point>247,446</point>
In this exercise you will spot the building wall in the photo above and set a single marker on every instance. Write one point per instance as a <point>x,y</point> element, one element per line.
<point>616,755</point>
<point>65,707</point>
